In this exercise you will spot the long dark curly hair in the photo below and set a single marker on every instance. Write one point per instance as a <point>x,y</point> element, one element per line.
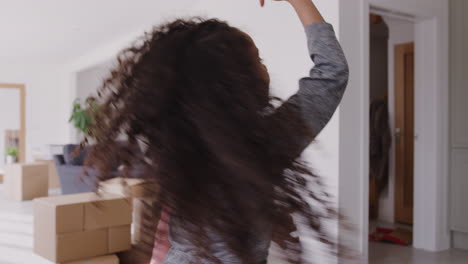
<point>192,100</point>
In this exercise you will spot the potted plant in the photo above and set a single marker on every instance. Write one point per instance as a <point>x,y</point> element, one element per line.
<point>82,115</point>
<point>11,155</point>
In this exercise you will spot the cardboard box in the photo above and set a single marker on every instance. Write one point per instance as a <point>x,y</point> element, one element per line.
<point>26,181</point>
<point>124,187</point>
<point>141,205</point>
<point>79,226</point>
<point>85,244</point>
<point>120,239</point>
<point>137,225</point>
<point>53,176</point>
<point>114,212</point>
<point>111,259</point>
<point>133,188</point>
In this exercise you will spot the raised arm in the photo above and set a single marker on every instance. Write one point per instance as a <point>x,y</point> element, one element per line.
<point>319,95</point>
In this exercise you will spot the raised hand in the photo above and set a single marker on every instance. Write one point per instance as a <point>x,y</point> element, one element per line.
<point>262,2</point>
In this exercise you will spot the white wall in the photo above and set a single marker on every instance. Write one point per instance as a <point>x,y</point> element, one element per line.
<point>353,127</point>
<point>280,38</point>
<point>86,83</point>
<point>47,106</point>
<point>400,32</point>
<point>90,79</point>
<point>9,116</point>
<point>275,29</point>
<point>282,43</point>
<point>458,123</point>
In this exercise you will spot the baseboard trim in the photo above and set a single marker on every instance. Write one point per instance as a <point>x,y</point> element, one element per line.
<point>460,240</point>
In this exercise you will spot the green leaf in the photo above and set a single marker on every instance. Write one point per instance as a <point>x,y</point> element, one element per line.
<point>83,116</point>
<point>82,123</point>
<point>12,151</point>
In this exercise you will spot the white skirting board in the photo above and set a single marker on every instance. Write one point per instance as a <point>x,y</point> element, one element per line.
<point>460,240</point>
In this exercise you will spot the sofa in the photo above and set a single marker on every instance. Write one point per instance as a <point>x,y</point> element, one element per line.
<point>71,170</point>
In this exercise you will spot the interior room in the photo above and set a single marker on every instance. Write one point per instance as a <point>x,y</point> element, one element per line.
<point>391,129</point>
<point>393,157</point>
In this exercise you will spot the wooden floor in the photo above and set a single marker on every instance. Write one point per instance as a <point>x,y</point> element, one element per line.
<point>16,233</point>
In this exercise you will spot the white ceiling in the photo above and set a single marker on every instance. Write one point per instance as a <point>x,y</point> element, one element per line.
<point>60,30</point>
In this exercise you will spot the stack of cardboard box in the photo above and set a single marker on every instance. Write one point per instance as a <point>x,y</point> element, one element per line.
<point>80,227</point>
<point>110,259</point>
<point>135,189</point>
<point>26,181</point>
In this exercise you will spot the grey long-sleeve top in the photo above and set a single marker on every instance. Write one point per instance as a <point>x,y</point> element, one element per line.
<point>311,107</point>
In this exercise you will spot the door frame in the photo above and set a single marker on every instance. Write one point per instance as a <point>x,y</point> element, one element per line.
<point>22,90</point>
<point>431,229</point>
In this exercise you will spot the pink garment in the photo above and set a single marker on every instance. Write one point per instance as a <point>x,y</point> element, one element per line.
<point>161,242</point>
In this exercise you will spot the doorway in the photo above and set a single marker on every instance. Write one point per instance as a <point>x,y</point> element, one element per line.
<point>391,129</point>
<point>431,164</point>
<point>13,124</point>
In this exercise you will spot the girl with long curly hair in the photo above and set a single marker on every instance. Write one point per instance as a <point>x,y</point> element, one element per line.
<point>192,98</point>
